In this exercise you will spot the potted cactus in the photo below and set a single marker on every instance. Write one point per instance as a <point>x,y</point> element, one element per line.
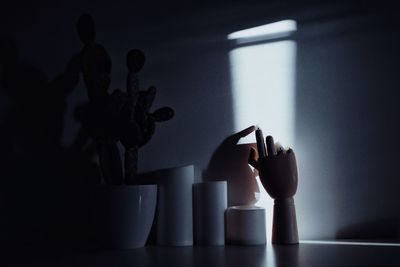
<point>123,117</point>
<point>126,209</point>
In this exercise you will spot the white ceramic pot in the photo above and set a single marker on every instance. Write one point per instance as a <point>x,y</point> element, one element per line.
<point>124,215</point>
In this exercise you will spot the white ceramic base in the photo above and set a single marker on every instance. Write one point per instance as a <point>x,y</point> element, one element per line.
<point>245,225</point>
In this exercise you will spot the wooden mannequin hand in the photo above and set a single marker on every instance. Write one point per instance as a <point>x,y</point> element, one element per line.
<point>277,170</point>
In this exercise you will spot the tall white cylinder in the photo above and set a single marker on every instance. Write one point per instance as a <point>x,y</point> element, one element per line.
<point>174,206</point>
<point>210,201</point>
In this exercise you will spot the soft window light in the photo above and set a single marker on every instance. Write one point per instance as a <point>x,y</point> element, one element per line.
<point>278,29</point>
<point>263,87</point>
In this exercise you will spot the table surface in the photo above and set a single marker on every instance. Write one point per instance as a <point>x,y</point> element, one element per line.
<point>307,253</point>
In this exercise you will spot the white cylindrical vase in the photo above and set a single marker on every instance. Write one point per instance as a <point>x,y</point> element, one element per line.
<point>174,219</point>
<point>245,225</point>
<point>210,201</point>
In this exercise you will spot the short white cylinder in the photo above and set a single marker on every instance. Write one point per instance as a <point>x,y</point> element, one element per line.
<point>245,225</point>
<point>210,200</point>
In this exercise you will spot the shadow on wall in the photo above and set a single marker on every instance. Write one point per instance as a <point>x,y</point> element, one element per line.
<point>382,229</point>
<point>230,162</point>
<point>39,176</point>
<point>347,80</point>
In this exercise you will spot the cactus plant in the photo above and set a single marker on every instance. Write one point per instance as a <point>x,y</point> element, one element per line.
<point>123,117</point>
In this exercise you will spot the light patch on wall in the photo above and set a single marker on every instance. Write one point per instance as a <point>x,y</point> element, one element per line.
<point>269,31</point>
<point>263,86</point>
<point>263,89</point>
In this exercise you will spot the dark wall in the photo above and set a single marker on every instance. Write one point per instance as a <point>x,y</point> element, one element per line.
<point>347,127</point>
<point>346,102</point>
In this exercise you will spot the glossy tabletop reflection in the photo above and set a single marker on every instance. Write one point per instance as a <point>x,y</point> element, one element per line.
<point>304,254</point>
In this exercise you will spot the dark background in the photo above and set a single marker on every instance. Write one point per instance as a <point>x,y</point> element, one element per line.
<point>346,128</point>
